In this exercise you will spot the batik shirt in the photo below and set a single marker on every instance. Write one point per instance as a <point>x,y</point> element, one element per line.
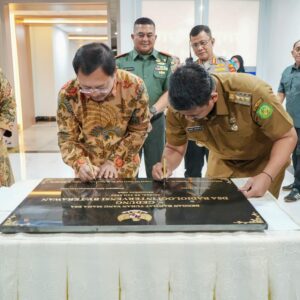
<point>111,130</point>
<point>7,118</point>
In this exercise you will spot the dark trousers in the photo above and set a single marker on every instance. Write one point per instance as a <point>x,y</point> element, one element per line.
<point>194,159</point>
<point>296,161</point>
<point>154,144</point>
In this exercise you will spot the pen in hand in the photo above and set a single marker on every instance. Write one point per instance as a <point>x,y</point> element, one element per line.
<point>91,167</point>
<point>164,170</point>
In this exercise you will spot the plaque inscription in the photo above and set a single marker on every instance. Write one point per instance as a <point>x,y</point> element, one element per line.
<point>182,204</point>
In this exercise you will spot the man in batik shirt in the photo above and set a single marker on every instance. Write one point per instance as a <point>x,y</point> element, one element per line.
<point>7,118</point>
<point>103,117</point>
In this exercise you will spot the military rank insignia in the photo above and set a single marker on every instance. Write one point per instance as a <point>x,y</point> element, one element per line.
<point>240,98</point>
<point>264,111</point>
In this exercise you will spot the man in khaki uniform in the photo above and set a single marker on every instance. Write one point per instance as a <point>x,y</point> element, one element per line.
<point>155,68</point>
<point>102,116</point>
<point>7,118</point>
<point>238,118</point>
<point>202,43</point>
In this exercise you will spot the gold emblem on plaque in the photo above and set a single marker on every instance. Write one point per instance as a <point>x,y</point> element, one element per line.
<point>256,219</point>
<point>135,215</point>
<point>11,221</point>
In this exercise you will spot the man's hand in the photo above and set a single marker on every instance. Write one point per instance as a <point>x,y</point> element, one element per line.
<point>88,172</point>
<point>1,133</point>
<point>108,170</point>
<point>157,172</point>
<point>256,186</point>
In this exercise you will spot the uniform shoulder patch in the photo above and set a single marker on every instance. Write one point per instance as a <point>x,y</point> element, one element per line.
<point>165,53</point>
<point>121,55</point>
<point>264,111</point>
<point>240,98</point>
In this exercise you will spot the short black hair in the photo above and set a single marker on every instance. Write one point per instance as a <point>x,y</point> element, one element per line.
<point>199,28</point>
<point>190,86</point>
<point>296,44</point>
<point>92,56</point>
<point>143,21</point>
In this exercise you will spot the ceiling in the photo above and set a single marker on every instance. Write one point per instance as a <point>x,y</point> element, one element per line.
<point>82,18</point>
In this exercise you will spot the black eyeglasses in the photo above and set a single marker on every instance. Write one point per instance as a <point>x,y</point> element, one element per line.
<point>201,43</point>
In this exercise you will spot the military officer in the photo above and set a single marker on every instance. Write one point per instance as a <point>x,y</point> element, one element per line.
<point>154,67</point>
<point>202,43</point>
<point>7,118</point>
<point>238,118</point>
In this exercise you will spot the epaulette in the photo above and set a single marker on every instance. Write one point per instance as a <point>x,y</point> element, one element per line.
<point>165,53</point>
<point>121,55</point>
<point>240,98</point>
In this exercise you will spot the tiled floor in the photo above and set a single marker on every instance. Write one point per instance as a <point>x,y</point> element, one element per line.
<point>42,158</point>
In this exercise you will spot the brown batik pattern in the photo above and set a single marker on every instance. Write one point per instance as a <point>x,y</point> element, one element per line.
<point>7,118</point>
<point>114,129</point>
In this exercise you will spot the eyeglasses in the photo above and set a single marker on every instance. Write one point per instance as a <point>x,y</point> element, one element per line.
<point>297,49</point>
<point>201,43</point>
<point>97,90</point>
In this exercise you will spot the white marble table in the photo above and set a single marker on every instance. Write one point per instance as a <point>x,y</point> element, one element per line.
<point>161,266</point>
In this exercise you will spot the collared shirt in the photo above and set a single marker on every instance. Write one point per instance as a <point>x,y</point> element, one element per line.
<point>155,69</point>
<point>114,129</point>
<point>245,123</point>
<point>7,118</point>
<point>290,86</point>
<point>7,105</point>
<point>217,64</point>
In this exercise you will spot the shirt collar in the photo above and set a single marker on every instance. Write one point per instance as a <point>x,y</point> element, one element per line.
<point>212,61</point>
<point>221,107</point>
<point>295,67</point>
<point>136,55</point>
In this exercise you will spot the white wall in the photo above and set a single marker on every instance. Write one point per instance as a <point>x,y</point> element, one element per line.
<point>279,29</point>
<point>41,43</point>
<point>234,24</point>
<point>63,70</point>
<point>174,20</point>
<point>52,54</point>
<point>130,10</point>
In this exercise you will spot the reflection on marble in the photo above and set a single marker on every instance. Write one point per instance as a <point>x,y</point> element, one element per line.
<point>42,158</point>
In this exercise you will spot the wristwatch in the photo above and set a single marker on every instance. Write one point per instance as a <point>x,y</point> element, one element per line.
<point>153,110</point>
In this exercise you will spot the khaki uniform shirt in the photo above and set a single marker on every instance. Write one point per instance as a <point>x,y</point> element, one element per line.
<point>240,130</point>
<point>217,64</point>
<point>7,118</point>
<point>155,69</point>
<point>114,129</point>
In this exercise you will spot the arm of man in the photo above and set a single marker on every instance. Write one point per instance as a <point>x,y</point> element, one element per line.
<point>281,88</point>
<point>7,107</point>
<point>162,103</point>
<point>137,129</point>
<point>282,148</point>
<point>281,97</point>
<point>71,149</point>
<point>173,156</point>
<point>1,133</point>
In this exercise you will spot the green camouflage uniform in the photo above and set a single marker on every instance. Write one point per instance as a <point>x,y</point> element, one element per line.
<point>155,69</point>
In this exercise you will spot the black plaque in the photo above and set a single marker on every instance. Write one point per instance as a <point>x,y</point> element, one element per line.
<point>179,204</point>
